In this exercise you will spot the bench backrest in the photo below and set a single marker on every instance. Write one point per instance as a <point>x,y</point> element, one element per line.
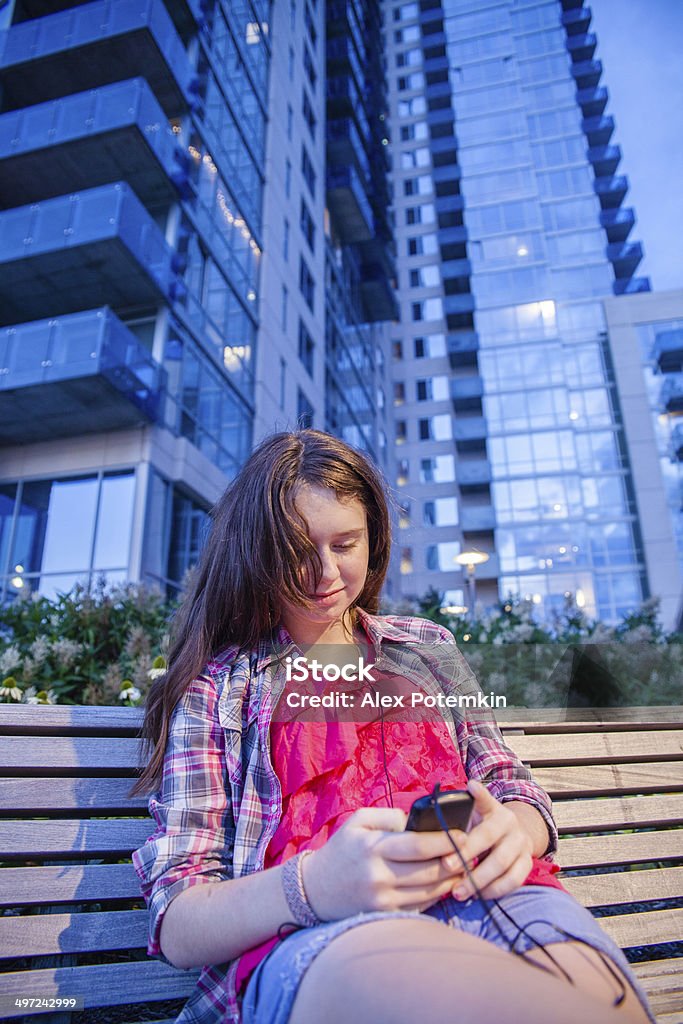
<point>78,927</point>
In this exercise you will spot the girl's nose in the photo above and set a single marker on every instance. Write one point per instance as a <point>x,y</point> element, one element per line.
<point>329,566</point>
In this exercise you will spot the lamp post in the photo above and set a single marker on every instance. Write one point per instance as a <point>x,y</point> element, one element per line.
<point>469,559</point>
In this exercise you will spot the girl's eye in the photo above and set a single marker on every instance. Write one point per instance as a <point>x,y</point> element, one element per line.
<point>345,547</point>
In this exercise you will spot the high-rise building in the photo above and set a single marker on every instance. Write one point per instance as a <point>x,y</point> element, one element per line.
<point>171,285</point>
<point>510,229</point>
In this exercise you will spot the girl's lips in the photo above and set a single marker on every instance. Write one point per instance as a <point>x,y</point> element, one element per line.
<point>326,597</point>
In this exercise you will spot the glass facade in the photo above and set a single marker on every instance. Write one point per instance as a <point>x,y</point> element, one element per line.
<point>519,172</point>
<point>132,149</point>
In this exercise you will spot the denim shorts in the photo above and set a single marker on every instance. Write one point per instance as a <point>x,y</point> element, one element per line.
<point>273,986</point>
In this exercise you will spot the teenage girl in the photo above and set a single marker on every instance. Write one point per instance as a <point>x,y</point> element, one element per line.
<point>281,865</point>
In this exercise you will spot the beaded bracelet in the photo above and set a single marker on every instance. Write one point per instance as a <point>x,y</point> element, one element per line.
<point>295,893</point>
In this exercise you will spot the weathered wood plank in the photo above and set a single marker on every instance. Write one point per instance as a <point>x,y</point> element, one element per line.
<point>611,779</point>
<point>596,749</point>
<point>612,889</point>
<point>78,883</point>
<point>51,754</point>
<point>53,718</point>
<point>105,795</point>
<point>42,934</point>
<point>590,719</point>
<point>33,839</point>
<point>141,981</point>
<point>620,849</point>
<point>645,928</point>
<point>624,812</point>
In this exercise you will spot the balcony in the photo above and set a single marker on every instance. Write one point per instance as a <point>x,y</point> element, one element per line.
<point>466,394</point>
<point>462,349</point>
<point>453,304</point>
<point>611,191</point>
<point>667,351</point>
<point>91,46</point>
<point>451,269</point>
<point>469,433</point>
<point>617,223</point>
<point>587,73</point>
<point>677,442</point>
<point>625,257</point>
<point>95,137</point>
<point>95,247</point>
<point>582,47</point>
<point>186,14</point>
<point>576,21</point>
<point>473,476</point>
<point>592,100</point>
<point>379,300</point>
<point>632,285</point>
<point>349,205</point>
<point>345,146</point>
<point>477,519</point>
<point>671,395</point>
<point>598,130</point>
<point>605,160</point>
<point>75,375</point>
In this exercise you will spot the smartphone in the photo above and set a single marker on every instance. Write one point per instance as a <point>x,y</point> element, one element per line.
<point>456,807</point>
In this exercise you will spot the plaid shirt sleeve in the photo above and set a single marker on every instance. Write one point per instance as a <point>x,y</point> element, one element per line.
<point>487,757</point>
<point>194,837</point>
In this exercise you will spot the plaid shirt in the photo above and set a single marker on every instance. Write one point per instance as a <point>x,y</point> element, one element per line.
<point>220,800</point>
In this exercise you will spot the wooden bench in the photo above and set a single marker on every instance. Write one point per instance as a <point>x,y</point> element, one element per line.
<point>73,923</point>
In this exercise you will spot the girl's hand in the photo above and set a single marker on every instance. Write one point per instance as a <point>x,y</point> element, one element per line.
<point>503,847</point>
<point>371,863</point>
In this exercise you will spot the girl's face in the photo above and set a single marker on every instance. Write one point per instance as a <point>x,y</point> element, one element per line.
<point>339,532</point>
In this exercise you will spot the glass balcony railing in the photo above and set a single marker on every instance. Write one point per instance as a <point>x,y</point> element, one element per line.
<point>473,475</point>
<point>605,160</point>
<point>75,374</point>
<point>625,257</point>
<point>617,223</point>
<point>477,519</point>
<point>611,191</point>
<point>349,205</point>
<point>582,46</point>
<point>667,351</point>
<point>576,21</point>
<point>587,73</point>
<point>466,394</point>
<point>677,442</point>
<point>186,14</point>
<point>462,349</point>
<point>379,299</point>
<point>88,139</point>
<point>469,428</point>
<point>458,303</point>
<point>93,45</point>
<point>671,395</point>
<point>100,246</point>
<point>592,100</point>
<point>632,285</point>
<point>598,130</point>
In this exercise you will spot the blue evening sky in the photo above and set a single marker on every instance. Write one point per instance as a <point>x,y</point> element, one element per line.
<point>640,43</point>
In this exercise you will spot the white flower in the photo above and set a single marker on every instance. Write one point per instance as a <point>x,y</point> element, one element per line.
<point>156,673</point>
<point>130,693</point>
<point>9,659</point>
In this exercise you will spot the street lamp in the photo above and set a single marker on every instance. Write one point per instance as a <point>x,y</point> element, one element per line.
<point>470,559</point>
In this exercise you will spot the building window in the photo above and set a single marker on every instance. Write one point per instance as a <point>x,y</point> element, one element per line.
<point>291,64</point>
<point>406,12</point>
<point>309,68</point>
<point>285,240</point>
<point>284,300</point>
<point>401,432</point>
<point>290,121</point>
<point>292,15</point>
<point>439,469</point>
<point>288,179</point>
<point>399,392</point>
<point>440,512</point>
<point>404,519</point>
<point>406,560</point>
<point>310,25</point>
<point>402,472</point>
<point>304,411</point>
<point>306,283</point>
<point>306,348</point>
<point>420,186</point>
<point>283,380</point>
<point>308,170</point>
<point>307,111</point>
<point>397,349</point>
<point>430,347</point>
<point>441,557</point>
<point>432,389</point>
<point>307,225</point>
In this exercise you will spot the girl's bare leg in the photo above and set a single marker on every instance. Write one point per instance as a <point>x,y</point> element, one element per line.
<point>400,970</point>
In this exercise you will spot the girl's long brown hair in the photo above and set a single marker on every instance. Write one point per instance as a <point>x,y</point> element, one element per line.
<point>254,557</point>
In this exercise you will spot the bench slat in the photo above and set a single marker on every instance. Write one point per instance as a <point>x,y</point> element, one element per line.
<point>590,719</point>
<point>73,933</point>
<point>624,812</point>
<point>68,883</point>
<point>595,749</point>
<point>611,889</point>
<point>596,851</point>
<point>644,928</point>
<point>51,754</point>
<point>33,839</point>
<point>51,718</point>
<point>102,984</point>
<point>105,795</point>
<point>663,982</point>
<point>611,779</point>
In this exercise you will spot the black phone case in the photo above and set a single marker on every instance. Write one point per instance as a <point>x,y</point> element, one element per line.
<point>455,805</point>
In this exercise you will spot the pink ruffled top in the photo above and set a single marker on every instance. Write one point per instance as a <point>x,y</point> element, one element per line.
<point>328,770</point>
